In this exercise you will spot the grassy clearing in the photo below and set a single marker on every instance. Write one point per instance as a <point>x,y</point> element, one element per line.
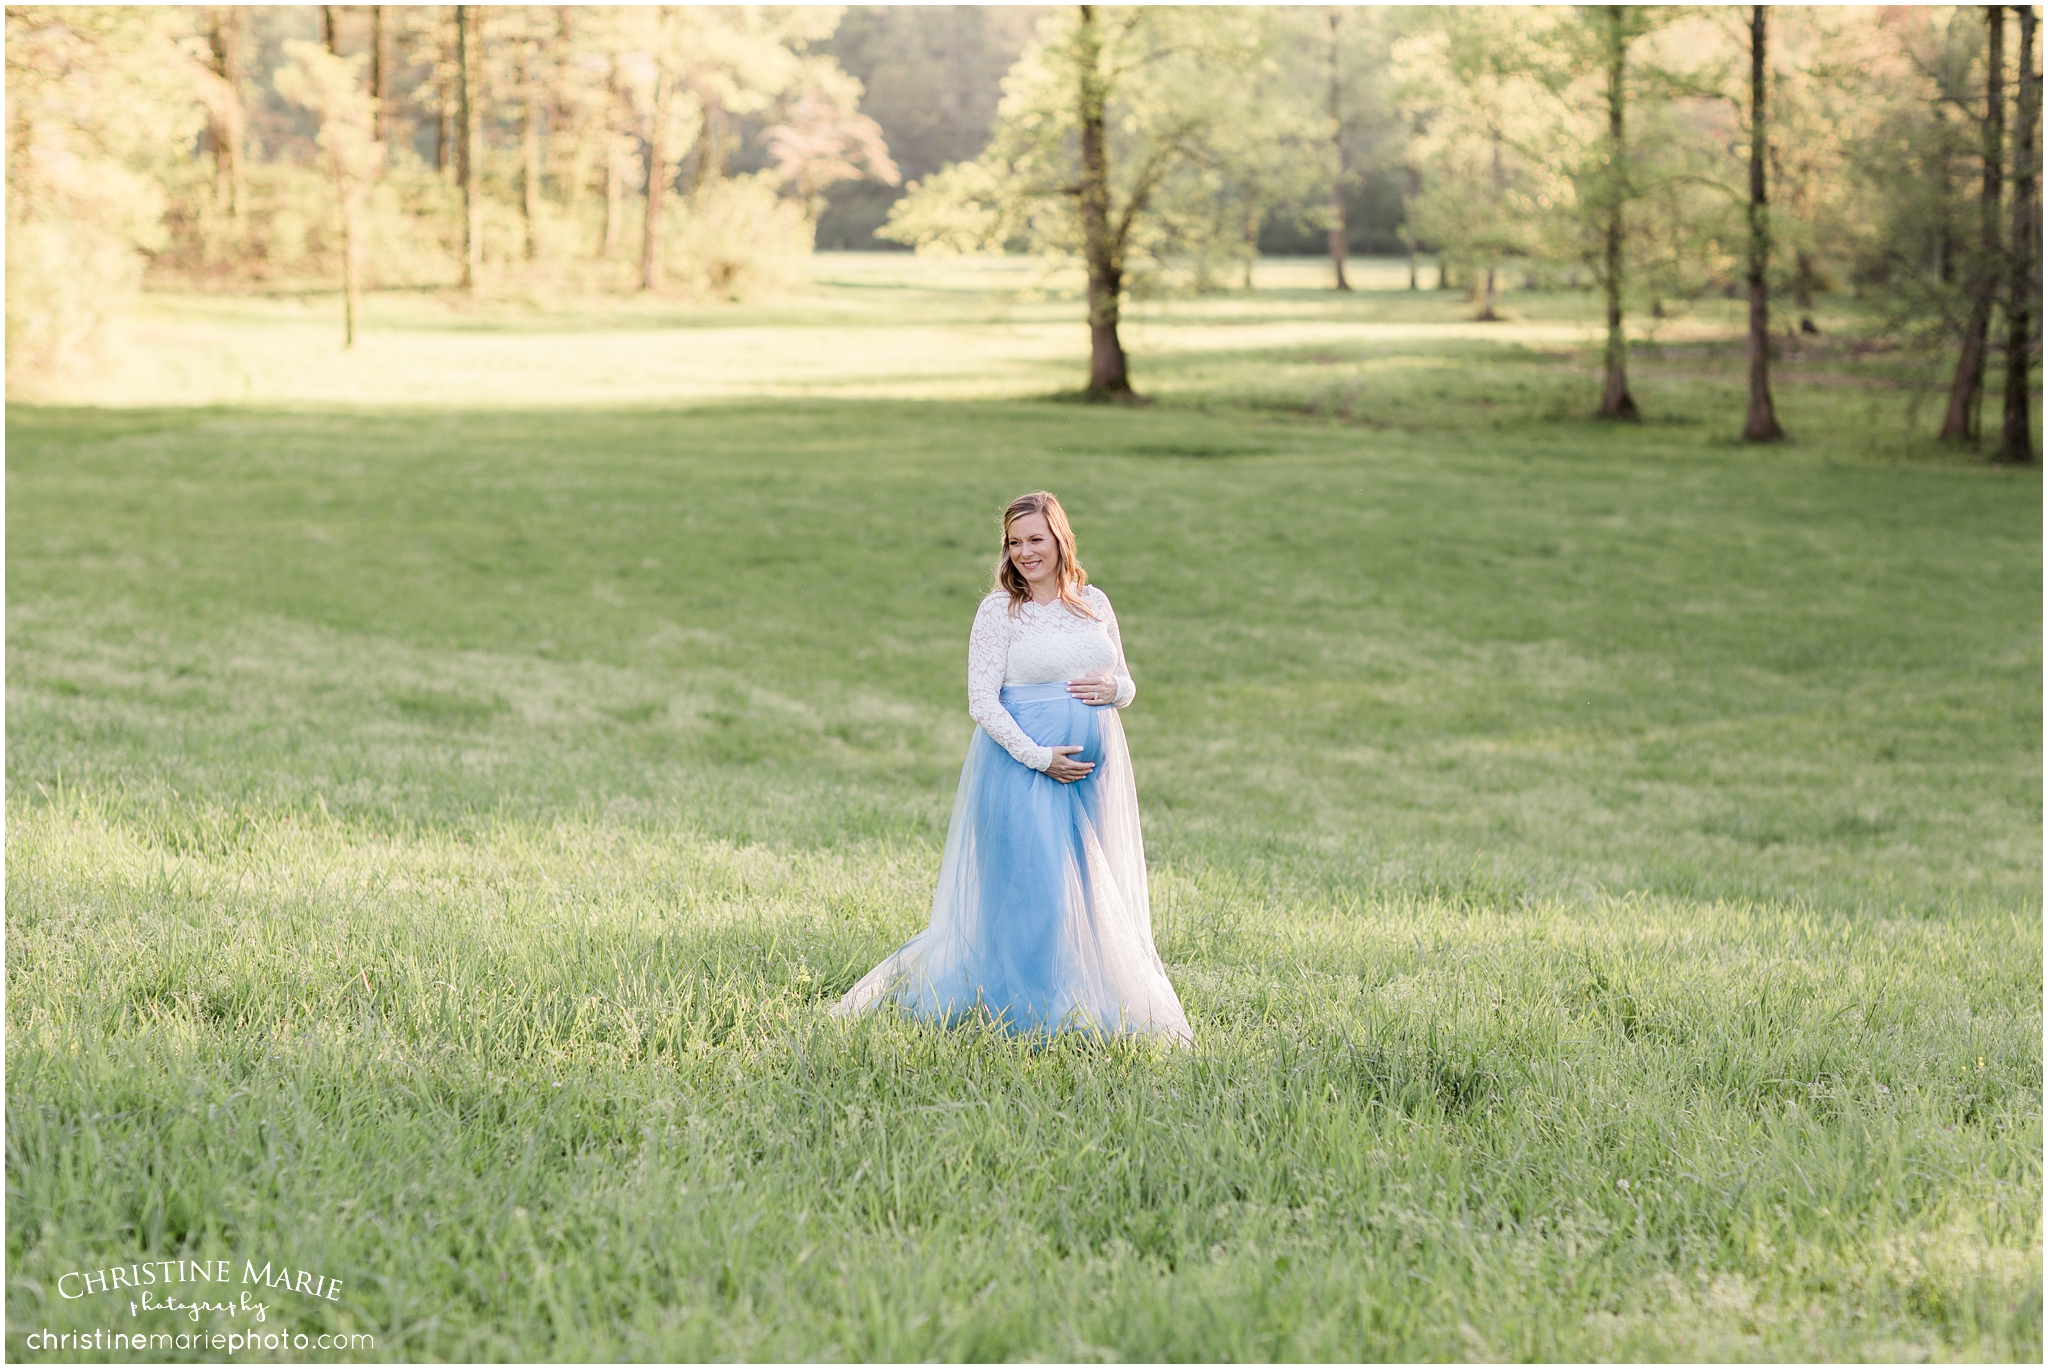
<point>1602,865</point>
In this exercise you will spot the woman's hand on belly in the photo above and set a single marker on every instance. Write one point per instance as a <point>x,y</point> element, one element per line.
<point>1097,689</point>
<point>1065,768</point>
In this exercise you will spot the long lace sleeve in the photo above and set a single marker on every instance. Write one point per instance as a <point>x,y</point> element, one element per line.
<point>988,651</point>
<point>1126,687</point>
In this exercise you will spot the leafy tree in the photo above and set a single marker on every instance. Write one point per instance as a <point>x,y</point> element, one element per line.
<point>1651,194</point>
<point>1823,61</point>
<point>102,104</point>
<point>522,69</point>
<point>824,139</point>
<point>1491,161</point>
<point>1906,221</point>
<point>1106,148</point>
<point>932,77</point>
<point>380,71</point>
<point>222,97</point>
<point>1966,395</point>
<point>1617,27</point>
<point>1272,158</point>
<point>1334,16</point>
<point>332,89</point>
<point>711,65</point>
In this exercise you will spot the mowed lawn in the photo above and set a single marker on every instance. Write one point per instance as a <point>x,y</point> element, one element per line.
<point>1602,864</point>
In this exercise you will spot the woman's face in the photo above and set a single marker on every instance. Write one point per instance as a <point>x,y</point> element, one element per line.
<point>1032,550</point>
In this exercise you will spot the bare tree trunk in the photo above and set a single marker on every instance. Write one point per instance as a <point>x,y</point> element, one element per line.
<point>1615,400</point>
<point>710,151</point>
<point>1944,242</point>
<point>613,193</point>
<point>1966,396</point>
<point>444,132</point>
<point>2016,442</point>
<point>1761,424</point>
<point>351,276</point>
<point>1802,289</point>
<point>1339,233</point>
<point>576,116</point>
<point>529,155</point>
<point>657,180</point>
<point>1252,217</point>
<point>1487,313</point>
<point>614,174</point>
<point>1108,371</point>
<point>1411,186</point>
<point>380,74</point>
<point>327,17</point>
<point>468,58</point>
<point>229,125</point>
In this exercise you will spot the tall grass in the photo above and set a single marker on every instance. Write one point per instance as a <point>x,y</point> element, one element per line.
<point>1601,865</point>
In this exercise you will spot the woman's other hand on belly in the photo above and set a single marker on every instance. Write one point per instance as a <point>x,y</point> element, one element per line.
<point>1095,690</point>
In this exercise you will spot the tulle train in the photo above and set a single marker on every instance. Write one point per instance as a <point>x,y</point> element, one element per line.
<point>1041,919</point>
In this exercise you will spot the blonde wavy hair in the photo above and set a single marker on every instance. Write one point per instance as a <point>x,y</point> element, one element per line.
<point>1067,572</point>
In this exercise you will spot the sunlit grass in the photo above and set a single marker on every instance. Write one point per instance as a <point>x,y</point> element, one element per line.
<point>869,326</point>
<point>1602,865</point>
<point>564,1089</point>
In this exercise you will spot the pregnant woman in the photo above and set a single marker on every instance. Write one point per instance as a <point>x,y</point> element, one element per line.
<point>1041,921</point>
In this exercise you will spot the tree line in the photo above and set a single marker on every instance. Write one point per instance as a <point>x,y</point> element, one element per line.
<point>1658,155</point>
<point>682,149</point>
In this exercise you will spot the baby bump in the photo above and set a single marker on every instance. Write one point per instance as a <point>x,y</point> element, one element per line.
<point>1052,717</point>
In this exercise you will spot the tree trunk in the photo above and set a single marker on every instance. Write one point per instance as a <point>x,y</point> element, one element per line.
<point>1252,217</point>
<point>380,75</point>
<point>444,132</point>
<point>614,176</point>
<point>1411,186</point>
<point>229,184</point>
<point>657,180</point>
<point>529,156</point>
<point>614,187</point>
<point>327,17</point>
<point>1761,424</point>
<point>1615,400</point>
<point>1108,373</point>
<point>710,151</point>
<point>1487,312</point>
<point>469,153</point>
<point>1802,289</point>
<point>351,276</point>
<point>1339,233</point>
<point>2016,444</point>
<point>1965,397</point>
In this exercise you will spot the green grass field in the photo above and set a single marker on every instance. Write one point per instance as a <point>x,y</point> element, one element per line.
<point>449,783</point>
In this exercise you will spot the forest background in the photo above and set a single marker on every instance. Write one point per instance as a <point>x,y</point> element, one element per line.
<point>705,151</point>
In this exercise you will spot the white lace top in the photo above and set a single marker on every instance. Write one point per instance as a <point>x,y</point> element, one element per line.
<point>1039,644</point>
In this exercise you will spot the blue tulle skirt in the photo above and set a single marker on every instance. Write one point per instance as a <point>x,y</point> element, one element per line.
<point>1041,920</point>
